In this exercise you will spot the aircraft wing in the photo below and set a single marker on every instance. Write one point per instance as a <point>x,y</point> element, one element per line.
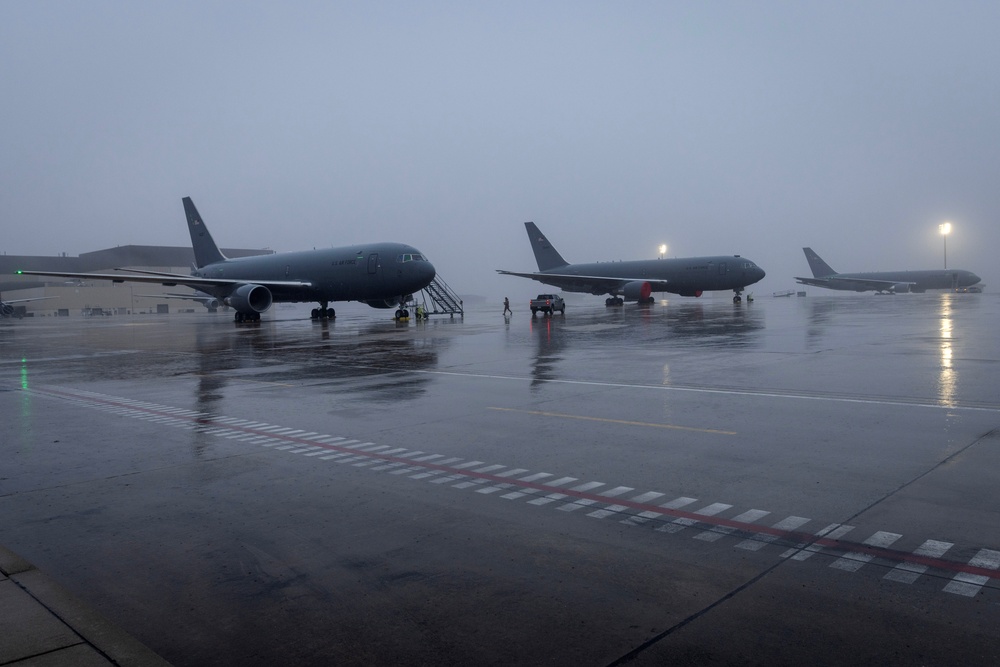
<point>168,279</point>
<point>856,284</point>
<point>584,283</point>
<point>173,295</point>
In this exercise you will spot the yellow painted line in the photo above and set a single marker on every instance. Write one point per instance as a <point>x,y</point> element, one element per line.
<point>542,413</point>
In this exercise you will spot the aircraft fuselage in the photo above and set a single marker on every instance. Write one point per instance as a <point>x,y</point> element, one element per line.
<point>677,276</point>
<point>364,272</point>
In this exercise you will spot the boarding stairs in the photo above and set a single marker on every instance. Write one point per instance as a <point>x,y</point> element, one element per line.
<point>445,300</point>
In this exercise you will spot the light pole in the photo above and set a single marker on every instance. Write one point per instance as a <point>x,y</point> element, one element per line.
<point>663,250</point>
<point>945,229</point>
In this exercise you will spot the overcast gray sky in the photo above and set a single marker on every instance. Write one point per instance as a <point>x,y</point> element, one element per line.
<point>750,128</point>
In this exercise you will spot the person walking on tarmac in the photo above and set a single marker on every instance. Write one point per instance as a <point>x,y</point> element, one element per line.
<point>506,306</point>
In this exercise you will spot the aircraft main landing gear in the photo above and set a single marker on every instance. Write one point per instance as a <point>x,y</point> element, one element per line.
<point>323,313</point>
<point>247,317</point>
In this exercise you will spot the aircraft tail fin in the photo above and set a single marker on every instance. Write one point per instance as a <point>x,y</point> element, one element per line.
<point>819,268</point>
<point>546,256</point>
<point>205,250</point>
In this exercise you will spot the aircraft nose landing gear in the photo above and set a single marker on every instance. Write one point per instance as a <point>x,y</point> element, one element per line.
<point>737,298</point>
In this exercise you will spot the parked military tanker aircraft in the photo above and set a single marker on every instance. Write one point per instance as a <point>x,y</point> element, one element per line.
<point>885,282</point>
<point>383,275</point>
<point>636,280</point>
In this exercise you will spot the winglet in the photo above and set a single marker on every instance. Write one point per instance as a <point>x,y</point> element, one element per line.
<point>205,250</point>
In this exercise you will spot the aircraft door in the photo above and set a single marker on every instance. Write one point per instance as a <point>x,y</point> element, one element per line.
<point>373,263</point>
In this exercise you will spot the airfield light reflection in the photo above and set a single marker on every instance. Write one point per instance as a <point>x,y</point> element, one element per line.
<point>26,407</point>
<point>947,378</point>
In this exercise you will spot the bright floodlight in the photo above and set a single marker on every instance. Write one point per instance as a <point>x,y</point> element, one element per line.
<point>945,229</point>
<point>663,249</point>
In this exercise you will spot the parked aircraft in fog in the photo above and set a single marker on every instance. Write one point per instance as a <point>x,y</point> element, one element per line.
<point>636,280</point>
<point>382,275</point>
<point>885,282</point>
<point>7,308</point>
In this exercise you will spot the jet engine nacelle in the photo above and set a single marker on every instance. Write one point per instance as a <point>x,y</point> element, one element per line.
<point>6,309</point>
<point>383,303</point>
<point>637,290</point>
<point>249,299</point>
<point>901,288</point>
<point>211,304</point>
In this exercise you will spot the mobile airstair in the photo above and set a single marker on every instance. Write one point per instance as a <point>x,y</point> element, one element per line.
<point>445,300</point>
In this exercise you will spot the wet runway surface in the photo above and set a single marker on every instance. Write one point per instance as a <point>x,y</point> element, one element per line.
<point>786,481</point>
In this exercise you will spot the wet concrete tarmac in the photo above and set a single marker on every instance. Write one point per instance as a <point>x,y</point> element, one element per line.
<point>786,481</point>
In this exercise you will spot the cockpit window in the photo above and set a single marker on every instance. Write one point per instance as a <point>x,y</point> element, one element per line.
<point>410,258</point>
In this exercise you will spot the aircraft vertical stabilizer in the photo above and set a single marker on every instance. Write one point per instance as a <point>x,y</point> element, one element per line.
<point>546,256</point>
<point>205,250</point>
<point>819,268</point>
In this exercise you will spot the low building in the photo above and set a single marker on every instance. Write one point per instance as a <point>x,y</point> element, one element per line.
<point>103,297</point>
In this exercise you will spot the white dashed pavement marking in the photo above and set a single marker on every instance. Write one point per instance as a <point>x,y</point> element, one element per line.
<point>968,579</point>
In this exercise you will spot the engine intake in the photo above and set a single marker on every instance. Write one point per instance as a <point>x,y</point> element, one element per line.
<point>249,299</point>
<point>637,290</point>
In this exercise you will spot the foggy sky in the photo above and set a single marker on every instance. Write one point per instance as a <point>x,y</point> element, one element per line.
<point>716,128</point>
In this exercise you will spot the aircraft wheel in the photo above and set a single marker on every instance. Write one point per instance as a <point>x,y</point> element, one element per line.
<point>314,314</point>
<point>239,316</point>
<point>331,313</point>
<point>737,298</point>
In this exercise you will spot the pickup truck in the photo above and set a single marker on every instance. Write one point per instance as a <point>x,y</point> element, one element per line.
<point>547,303</point>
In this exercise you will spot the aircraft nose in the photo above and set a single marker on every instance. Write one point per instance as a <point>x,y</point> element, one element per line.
<point>424,272</point>
<point>758,274</point>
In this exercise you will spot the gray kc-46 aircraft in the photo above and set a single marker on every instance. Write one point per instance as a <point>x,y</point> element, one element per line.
<point>636,280</point>
<point>889,282</point>
<point>383,275</point>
